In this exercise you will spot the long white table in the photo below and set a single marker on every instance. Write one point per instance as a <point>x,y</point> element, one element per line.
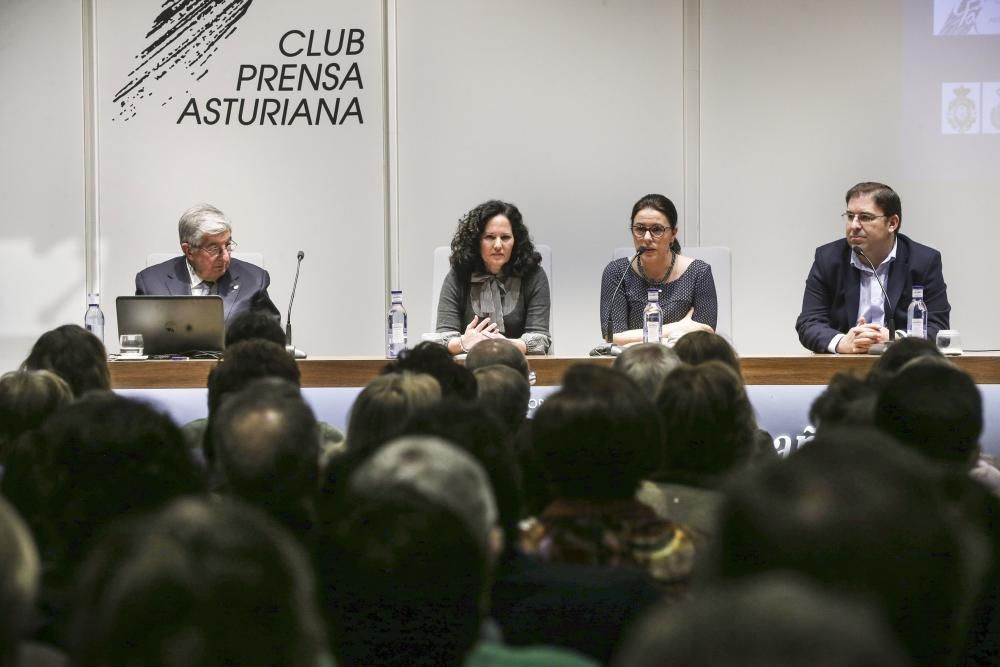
<point>780,388</point>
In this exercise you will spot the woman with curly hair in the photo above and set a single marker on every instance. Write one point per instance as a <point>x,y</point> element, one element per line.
<point>496,287</point>
<point>687,289</point>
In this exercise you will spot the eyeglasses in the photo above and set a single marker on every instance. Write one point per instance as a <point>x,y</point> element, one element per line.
<point>656,231</point>
<point>863,218</point>
<point>214,250</point>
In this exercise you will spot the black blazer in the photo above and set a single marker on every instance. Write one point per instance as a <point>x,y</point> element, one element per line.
<point>243,287</point>
<point>830,302</point>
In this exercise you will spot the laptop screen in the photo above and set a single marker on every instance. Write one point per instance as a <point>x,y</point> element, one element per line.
<point>173,324</point>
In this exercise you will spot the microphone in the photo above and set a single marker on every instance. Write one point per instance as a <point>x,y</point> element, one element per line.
<point>890,321</point>
<point>291,349</point>
<point>615,350</point>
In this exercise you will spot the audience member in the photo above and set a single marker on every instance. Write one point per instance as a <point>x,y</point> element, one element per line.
<point>267,447</point>
<point>497,351</point>
<point>27,399</point>
<point>898,355</point>
<point>200,584</point>
<point>847,401</point>
<point>242,363</point>
<point>709,432</point>
<point>429,357</point>
<point>647,364</point>
<point>698,347</point>
<point>405,562</point>
<point>383,406</point>
<point>505,392</point>
<point>75,355</point>
<point>20,571</point>
<point>771,621</point>
<point>94,461</point>
<point>597,438</point>
<point>254,324</point>
<point>860,515</point>
<point>579,607</point>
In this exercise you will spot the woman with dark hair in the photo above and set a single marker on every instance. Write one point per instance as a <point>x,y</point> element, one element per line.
<point>75,355</point>
<point>687,289</point>
<point>496,287</point>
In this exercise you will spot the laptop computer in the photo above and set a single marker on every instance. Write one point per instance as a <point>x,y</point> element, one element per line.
<point>173,324</point>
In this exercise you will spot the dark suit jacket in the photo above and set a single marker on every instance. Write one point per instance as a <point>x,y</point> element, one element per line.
<point>830,302</point>
<point>242,288</point>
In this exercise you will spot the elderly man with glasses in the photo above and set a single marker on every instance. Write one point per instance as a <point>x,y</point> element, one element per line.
<point>207,267</point>
<point>844,309</point>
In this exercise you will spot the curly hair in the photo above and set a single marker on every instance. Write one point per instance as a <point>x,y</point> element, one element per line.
<point>465,255</point>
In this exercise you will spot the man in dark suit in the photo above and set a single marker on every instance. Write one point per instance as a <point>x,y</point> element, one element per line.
<point>207,267</point>
<point>843,308</point>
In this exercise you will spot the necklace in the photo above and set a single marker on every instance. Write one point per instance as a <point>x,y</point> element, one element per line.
<point>663,280</point>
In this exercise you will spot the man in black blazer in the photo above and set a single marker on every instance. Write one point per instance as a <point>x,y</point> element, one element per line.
<point>843,308</point>
<point>207,267</point>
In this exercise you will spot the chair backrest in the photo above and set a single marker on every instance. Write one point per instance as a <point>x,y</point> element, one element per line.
<point>255,258</point>
<point>442,266</point>
<point>720,258</point>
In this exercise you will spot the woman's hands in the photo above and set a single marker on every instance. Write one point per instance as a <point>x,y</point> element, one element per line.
<point>478,331</point>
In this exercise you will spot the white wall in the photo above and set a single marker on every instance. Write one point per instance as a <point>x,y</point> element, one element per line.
<point>571,109</point>
<point>41,172</point>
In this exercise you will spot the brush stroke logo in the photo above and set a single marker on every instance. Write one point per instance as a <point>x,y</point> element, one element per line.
<point>186,34</point>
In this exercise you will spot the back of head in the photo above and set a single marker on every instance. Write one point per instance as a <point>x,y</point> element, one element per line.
<point>857,513</point>
<point>479,433</point>
<point>437,470</point>
<point>75,355</point>
<point>647,364</point>
<point>266,442</point>
<point>247,361</point>
<point>598,436</point>
<point>384,405</point>
<point>708,422</point>
<point>497,351</point>
<point>200,584</point>
<point>934,408</point>
<point>772,621</point>
<point>254,324</point>
<point>506,392</point>
<point>428,357</point>
<point>19,574</point>
<point>899,354</point>
<point>700,346</point>
<point>27,399</point>
<point>402,580</point>
<point>847,401</point>
<point>96,460</point>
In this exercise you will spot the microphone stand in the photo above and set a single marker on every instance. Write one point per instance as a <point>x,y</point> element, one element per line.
<point>615,350</point>
<point>890,321</point>
<point>291,349</point>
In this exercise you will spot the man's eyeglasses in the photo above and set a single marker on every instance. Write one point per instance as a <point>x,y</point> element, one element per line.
<point>863,218</point>
<point>656,231</point>
<point>214,250</point>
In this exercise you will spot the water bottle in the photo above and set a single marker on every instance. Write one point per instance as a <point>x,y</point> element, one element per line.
<point>395,326</point>
<point>652,317</point>
<point>93,320</point>
<point>916,314</point>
